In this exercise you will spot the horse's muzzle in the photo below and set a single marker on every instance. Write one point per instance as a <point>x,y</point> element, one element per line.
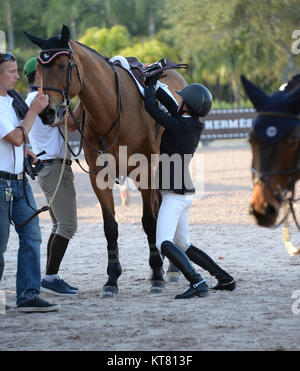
<point>266,217</point>
<point>48,116</point>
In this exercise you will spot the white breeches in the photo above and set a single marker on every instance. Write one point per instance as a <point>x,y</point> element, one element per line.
<point>173,220</point>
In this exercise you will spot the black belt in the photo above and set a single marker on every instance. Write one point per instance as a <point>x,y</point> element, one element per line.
<point>9,176</point>
<point>57,161</point>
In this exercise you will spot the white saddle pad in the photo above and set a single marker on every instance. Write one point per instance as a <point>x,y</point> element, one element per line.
<point>124,63</point>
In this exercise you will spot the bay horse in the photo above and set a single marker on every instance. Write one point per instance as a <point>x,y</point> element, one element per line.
<point>275,144</point>
<point>115,117</point>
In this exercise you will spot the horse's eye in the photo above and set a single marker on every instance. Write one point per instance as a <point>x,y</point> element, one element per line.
<point>61,66</point>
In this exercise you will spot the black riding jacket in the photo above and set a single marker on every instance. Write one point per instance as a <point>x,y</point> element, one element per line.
<point>180,138</point>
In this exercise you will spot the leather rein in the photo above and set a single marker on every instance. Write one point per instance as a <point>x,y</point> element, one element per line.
<point>67,102</point>
<point>263,177</point>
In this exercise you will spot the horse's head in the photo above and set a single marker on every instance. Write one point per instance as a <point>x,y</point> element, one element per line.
<point>275,143</point>
<point>58,77</point>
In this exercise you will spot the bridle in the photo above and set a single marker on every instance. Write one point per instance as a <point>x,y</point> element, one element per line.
<point>65,92</point>
<point>67,102</point>
<point>263,177</point>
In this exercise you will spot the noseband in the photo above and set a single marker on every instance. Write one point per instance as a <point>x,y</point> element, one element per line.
<point>66,95</point>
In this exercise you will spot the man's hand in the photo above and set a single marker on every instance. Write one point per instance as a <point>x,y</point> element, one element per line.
<point>29,153</point>
<point>39,103</point>
<point>16,137</point>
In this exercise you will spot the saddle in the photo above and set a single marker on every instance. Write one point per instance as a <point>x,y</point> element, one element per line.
<point>143,72</point>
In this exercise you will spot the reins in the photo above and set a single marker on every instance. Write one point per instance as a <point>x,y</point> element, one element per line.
<point>289,202</point>
<point>66,95</point>
<point>290,209</point>
<point>64,160</point>
<point>67,103</point>
<point>261,177</point>
<point>44,208</point>
<point>36,212</point>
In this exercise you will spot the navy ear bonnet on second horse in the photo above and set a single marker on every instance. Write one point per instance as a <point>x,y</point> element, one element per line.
<point>53,47</point>
<point>273,129</point>
<point>283,109</point>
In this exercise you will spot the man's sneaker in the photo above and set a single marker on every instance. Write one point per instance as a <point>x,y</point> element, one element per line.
<point>70,287</point>
<point>37,305</point>
<point>57,287</point>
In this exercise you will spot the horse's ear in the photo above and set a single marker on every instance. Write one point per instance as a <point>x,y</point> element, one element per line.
<point>255,94</point>
<point>65,34</point>
<point>36,40</point>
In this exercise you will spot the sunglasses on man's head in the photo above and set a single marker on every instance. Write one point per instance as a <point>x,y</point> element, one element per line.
<point>7,57</point>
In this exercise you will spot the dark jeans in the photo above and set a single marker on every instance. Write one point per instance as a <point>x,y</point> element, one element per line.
<point>28,269</point>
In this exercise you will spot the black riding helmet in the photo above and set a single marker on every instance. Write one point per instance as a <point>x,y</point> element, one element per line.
<point>197,98</point>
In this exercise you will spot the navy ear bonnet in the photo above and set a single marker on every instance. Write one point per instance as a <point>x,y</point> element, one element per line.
<point>48,55</point>
<point>53,47</point>
<point>273,127</point>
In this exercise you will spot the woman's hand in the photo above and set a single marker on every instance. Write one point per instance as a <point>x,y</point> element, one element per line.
<point>151,81</point>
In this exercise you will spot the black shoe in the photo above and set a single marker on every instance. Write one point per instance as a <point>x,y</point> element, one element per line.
<point>229,286</point>
<point>37,305</point>
<point>197,290</point>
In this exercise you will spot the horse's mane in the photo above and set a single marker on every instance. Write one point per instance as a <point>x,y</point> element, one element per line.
<point>95,52</point>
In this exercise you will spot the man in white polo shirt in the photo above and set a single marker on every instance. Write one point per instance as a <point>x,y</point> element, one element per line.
<point>13,200</point>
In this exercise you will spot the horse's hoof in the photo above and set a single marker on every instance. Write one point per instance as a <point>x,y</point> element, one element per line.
<point>173,276</point>
<point>109,292</point>
<point>157,287</point>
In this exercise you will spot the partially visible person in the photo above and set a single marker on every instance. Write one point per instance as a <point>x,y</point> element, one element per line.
<point>15,123</point>
<point>125,194</point>
<point>63,210</point>
<point>181,137</point>
<point>292,84</point>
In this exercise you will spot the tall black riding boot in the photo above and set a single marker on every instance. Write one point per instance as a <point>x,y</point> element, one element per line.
<point>198,285</point>
<point>226,282</point>
<point>49,246</point>
<point>57,251</point>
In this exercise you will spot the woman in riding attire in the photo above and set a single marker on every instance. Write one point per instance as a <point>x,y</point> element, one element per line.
<point>63,209</point>
<point>181,137</point>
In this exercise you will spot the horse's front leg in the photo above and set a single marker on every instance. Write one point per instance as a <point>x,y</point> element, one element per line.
<point>114,269</point>
<point>173,273</point>
<point>155,259</point>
